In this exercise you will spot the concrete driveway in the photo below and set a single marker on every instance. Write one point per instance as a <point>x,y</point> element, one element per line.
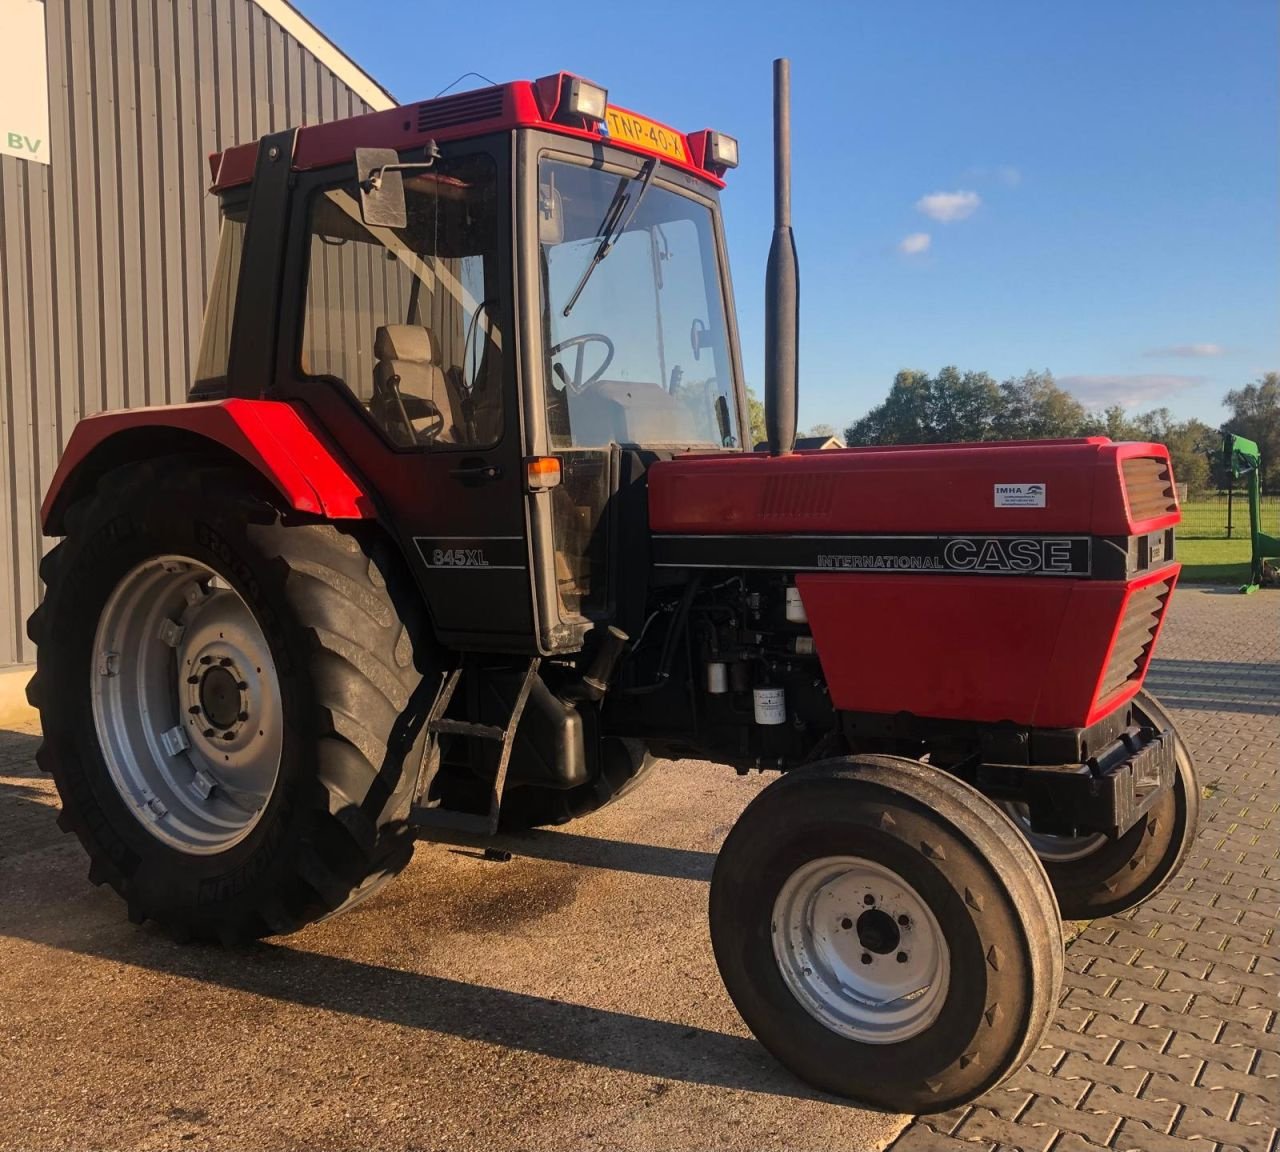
<point>567,999</point>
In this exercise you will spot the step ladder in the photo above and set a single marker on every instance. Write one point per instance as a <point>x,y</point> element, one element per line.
<point>462,827</point>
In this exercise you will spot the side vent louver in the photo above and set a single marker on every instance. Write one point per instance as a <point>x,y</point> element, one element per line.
<point>465,108</point>
<point>1135,636</point>
<point>1148,486</point>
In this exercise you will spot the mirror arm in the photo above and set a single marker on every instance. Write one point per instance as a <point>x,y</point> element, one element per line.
<point>373,182</point>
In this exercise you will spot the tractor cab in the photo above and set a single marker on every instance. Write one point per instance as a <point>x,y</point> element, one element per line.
<point>522,296</point>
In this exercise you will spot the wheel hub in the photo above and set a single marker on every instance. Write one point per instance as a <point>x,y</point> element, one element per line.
<point>219,694</point>
<point>187,704</point>
<point>860,949</point>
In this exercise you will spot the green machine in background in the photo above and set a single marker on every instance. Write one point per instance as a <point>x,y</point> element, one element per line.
<point>1243,458</point>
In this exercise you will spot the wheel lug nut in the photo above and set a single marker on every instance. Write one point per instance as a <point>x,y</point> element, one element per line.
<point>243,685</point>
<point>194,709</point>
<point>846,923</point>
<point>243,717</point>
<point>206,659</point>
<point>866,957</point>
<point>228,735</point>
<point>208,733</point>
<point>904,920</point>
<point>868,899</point>
<point>225,661</point>
<point>902,957</point>
<point>193,679</point>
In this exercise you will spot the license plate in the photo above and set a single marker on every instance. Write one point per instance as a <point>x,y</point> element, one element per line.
<point>628,128</point>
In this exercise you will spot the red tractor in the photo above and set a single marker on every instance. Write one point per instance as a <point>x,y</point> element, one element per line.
<point>457,534</point>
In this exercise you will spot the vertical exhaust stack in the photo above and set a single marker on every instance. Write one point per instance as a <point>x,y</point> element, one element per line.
<point>782,283</point>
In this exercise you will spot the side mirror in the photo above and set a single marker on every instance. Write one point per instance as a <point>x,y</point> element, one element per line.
<point>699,338</point>
<point>550,216</point>
<point>381,188</point>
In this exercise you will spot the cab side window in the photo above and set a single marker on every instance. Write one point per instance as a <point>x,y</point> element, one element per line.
<point>407,319</point>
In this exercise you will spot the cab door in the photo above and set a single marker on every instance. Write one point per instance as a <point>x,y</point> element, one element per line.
<point>403,346</point>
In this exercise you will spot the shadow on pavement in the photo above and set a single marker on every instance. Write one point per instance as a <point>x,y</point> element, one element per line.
<point>1216,686</point>
<point>473,1012</point>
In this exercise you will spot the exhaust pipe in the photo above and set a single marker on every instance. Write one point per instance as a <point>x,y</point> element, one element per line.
<point>782,283</point>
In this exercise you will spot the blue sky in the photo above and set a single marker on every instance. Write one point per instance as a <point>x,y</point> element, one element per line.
<point>1097,181</point>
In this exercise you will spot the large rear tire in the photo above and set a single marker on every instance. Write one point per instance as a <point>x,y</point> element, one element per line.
<point>886,933</point>
<point>1094,876</point>
<point>233,706</point>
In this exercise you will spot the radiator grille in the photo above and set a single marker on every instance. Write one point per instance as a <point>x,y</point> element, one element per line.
<point>1148,486</point>
<point>1134,638</point>
<point>465,108</point>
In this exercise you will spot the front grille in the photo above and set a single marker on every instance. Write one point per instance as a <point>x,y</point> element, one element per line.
<point>1148,486</point>
<point>465,108</point>
<point>1135,636</point>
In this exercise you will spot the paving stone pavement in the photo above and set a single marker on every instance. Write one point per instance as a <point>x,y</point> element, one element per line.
<point>1167,1036</point>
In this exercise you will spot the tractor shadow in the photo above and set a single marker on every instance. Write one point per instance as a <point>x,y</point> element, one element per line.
<point>79,921</point>
<point>1216,686</point>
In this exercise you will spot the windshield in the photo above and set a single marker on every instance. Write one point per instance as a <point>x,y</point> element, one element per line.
<point>642,356</point>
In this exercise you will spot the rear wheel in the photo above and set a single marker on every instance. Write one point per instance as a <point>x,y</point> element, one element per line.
<point>233,706</point>
<point>1097,875</point>
<point>886,933</point>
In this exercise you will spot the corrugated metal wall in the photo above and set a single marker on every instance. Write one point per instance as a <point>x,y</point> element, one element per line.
<point>105,254</point>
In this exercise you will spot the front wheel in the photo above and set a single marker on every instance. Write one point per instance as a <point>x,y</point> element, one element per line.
<point>886,933</point>
<point>1097,875</point>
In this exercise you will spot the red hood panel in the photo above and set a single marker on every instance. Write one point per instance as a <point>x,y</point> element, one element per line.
<point>900,490</point>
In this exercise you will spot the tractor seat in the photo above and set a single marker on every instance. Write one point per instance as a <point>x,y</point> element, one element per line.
<point>410,397</point>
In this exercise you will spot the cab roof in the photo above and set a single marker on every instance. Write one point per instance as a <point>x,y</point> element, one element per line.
<point>500,108</point>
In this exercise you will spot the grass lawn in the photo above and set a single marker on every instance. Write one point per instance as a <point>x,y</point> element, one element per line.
<point>1207,556</point>
<point>1214,561</point>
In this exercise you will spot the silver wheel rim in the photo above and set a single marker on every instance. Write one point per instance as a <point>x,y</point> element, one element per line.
<point>860,950</point>
<point>186,703</point>
<point>1052,849</point>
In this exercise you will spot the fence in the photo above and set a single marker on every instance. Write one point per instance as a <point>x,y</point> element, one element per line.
<point>1224,515</point>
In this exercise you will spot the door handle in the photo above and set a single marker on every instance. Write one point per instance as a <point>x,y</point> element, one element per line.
<point>477,472</point>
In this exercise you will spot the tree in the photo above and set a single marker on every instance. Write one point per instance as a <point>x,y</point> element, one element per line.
<point>961,407</point>
<point>758,433</point>
<point>821,430</point>
<point>1255,413</point>
<point>1033,407</point>
<point>903,418</point>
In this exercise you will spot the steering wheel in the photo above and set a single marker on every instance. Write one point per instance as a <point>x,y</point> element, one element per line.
<point>578,385</point>
<point>426,410</point>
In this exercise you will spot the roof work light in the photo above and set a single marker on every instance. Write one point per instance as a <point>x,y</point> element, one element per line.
<point>722,150</point>
<point>580,97</point>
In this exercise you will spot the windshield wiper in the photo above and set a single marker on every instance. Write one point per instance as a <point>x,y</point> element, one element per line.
<point>611,228</point>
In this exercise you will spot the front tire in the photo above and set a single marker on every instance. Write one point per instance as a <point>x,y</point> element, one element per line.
<point>233,706</point>
<point>886,933</point>
<point>1094,876</point>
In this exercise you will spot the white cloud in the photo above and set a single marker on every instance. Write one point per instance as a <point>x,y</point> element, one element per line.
<point>915,244</point>
<point>948,206</point>
<point>1132,390</point>
<point>1191,351</point>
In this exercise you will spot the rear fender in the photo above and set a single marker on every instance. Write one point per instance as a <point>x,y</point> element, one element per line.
<point>277,440</point>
